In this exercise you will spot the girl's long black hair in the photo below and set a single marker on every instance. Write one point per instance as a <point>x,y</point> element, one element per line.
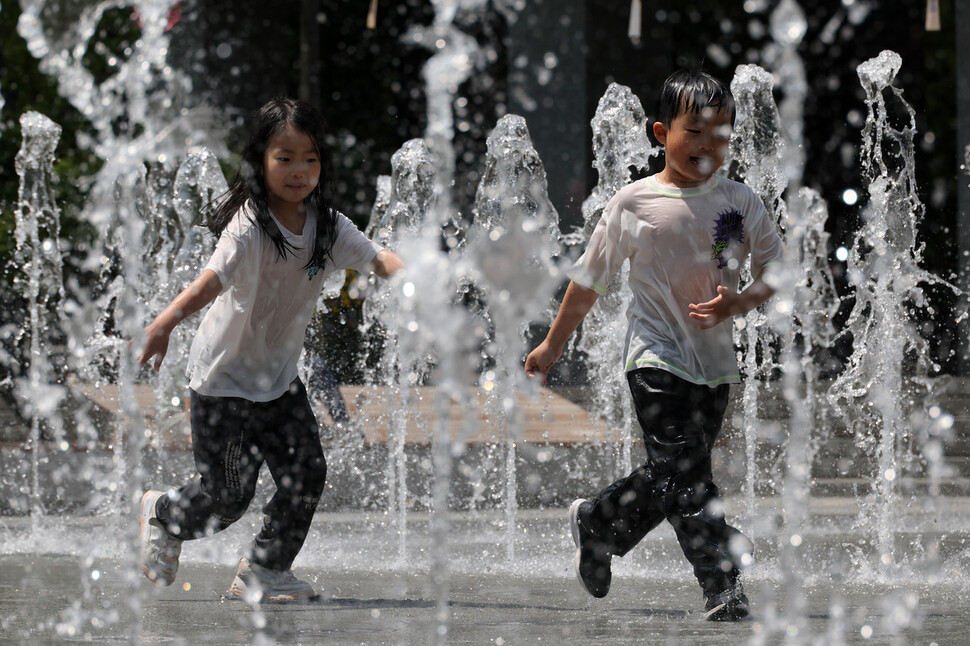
<point>250,183</point>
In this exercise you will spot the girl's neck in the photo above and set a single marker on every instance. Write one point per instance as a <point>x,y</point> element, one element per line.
<point>291,216</point>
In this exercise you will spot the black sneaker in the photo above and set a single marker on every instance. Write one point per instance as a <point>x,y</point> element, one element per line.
<point>728,605</point>
<point>592,560</point>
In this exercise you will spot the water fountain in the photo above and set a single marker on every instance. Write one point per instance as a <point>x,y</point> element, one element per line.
<point>512,243</point>
<point>506,257</point>
<point>620,143</point>
<point>38,217</point>
<point>885,262</point>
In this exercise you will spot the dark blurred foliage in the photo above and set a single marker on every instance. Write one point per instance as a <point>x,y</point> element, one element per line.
<point>25,88</point>
<point>368,84</point>
<point>240,53</point>
<point>719,36</point>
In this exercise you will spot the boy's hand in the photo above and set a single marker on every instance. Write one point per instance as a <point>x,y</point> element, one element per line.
<point>540,360</point>
<point>723,306</point>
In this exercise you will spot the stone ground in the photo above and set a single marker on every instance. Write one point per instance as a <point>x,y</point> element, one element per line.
<point>71,579</point>
<point>37,594</point>
<point>69,576</point>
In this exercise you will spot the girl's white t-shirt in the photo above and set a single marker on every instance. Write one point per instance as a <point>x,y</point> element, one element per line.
<point>682,244</point>
<point>250,340</point>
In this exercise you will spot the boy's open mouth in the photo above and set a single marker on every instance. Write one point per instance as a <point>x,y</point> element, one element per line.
<point>703,164</point>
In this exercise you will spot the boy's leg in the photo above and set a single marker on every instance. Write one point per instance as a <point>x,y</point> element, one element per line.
<point>291,444</point>
<point>228,464</point>
<point>610,524</point>
<point>681,421</point>
<point>623,513</point>
<point>323,381</point>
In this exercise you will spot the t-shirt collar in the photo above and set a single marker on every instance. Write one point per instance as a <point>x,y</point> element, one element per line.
<point>693,191</point>
<point>289,234</point>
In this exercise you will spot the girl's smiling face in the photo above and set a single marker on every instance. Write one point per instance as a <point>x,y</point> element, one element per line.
<point>291,170</point>
<point>694,146</point>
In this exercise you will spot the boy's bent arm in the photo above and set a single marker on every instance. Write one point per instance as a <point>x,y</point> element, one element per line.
<point>193,298</point>
<point>729,303</point>
<point>576,304</point>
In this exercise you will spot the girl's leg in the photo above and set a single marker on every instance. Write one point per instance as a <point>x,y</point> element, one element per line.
<point>290,442</point>
<point>228,464</point>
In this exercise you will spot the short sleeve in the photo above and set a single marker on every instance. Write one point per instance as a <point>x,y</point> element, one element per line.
<point>238,247</point>
<point>606,251</point>
<point>352,250</point>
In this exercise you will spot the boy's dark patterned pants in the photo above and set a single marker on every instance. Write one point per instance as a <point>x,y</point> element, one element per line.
<point>231,438</point>
<point>680,423</point>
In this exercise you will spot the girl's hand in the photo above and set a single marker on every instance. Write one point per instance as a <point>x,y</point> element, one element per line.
<point>156,345</point>
<point>386,263</point>
<point>193,298</point>
<point>725,305</point>
<point>541,360</point>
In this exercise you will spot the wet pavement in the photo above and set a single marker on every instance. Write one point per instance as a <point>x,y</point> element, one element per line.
<point>71,579</point>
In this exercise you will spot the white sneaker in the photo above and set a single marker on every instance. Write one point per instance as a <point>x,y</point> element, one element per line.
<point>159,550</point>
<point>255,584</point>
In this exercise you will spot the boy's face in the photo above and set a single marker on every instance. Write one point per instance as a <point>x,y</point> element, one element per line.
<point>694,146</point>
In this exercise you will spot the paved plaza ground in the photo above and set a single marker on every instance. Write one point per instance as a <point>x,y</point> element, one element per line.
<point>67,574</point>
<point>73,581</point>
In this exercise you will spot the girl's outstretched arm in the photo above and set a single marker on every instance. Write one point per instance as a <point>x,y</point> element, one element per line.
<point>576,304</point>
<point>193,298</point>
<point>386,262</point>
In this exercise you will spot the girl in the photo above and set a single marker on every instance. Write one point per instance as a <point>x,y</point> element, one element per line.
<point>278,237</point>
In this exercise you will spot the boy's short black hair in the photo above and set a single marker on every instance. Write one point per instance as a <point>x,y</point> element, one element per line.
<point>692,90</point>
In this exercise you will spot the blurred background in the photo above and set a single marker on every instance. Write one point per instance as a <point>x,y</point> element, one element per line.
<point>547,60</point>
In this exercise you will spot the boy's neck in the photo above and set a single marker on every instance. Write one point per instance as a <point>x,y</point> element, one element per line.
<point>668,178</point>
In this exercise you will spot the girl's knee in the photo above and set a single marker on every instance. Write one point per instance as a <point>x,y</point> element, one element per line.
<point>230,504</point>
<point>306,478</point>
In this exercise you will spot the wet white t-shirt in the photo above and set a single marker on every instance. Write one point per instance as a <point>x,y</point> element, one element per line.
<point>682,244</point>
<point>250,340</point>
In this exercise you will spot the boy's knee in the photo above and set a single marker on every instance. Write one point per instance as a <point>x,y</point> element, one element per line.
<point>689,498</point>
<point>315,477</point>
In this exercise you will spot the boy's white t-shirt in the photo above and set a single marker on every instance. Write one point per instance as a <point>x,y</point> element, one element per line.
<point>682,244</point>
<point>250,340</point>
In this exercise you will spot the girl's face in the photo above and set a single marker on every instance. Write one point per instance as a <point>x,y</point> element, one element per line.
<point>291,170</point>
<point>694,146</point>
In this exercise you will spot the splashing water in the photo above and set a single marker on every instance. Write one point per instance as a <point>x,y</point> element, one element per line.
<point>757,148</point>
<point>142,112</point>
<point>788,28</point>
<point>397,220</point>
<point>433,337</point>
<point>39,254</point>
<point>767,146</point>
<point>512,243</point>
<point>884,265</point>
<point>184,245</point>
<point>433,322</point>
<point>619,142</point>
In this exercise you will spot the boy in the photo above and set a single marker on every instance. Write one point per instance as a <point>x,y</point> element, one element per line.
<point>686,233</point>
